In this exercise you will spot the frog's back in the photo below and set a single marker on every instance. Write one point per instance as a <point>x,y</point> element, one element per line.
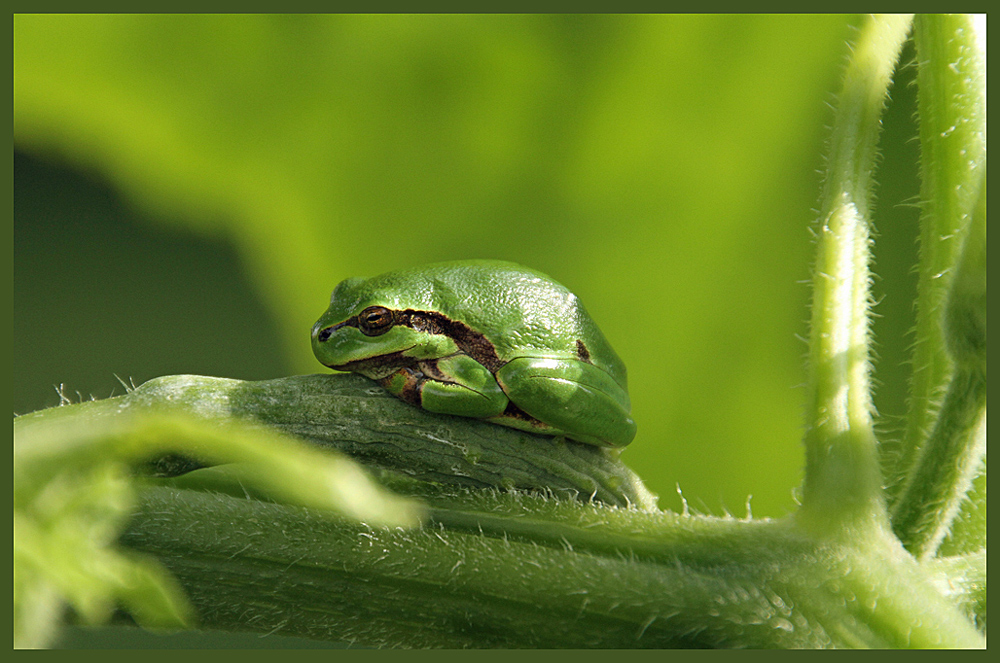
<point>522,312</point>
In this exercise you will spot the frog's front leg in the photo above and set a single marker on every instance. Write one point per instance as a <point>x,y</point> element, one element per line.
<point>570,396</point>
<point>456,384</point>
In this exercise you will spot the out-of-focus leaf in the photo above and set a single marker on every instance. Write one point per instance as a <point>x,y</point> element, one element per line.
<point>75,490</point>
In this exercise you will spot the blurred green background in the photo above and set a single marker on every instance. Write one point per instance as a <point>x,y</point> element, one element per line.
<point>189,189</point>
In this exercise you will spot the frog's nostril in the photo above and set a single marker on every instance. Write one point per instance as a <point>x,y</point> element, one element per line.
<point>324,334</point>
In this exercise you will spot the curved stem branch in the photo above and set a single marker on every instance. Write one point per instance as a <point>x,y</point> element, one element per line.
<point>953,454</point>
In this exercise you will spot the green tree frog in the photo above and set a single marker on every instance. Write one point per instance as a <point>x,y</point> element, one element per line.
<point>485,339</point>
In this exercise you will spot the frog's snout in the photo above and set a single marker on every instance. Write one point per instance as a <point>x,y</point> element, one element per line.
<point>321,334</point>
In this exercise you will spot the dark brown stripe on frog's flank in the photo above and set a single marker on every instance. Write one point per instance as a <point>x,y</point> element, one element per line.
<point>582,352</point>
<point>468,341</point>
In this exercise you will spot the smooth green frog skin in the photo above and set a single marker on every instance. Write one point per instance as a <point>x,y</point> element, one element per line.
<point>485,339</point>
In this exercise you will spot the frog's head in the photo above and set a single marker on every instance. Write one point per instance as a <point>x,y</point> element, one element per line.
<point>372,331</point>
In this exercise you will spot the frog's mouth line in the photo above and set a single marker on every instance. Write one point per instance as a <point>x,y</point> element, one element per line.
<point>381,363</point>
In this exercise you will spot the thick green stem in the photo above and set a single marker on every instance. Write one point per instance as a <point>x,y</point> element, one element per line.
<point>515,570</point>
<point>842,477</point>
<point>350,414</point>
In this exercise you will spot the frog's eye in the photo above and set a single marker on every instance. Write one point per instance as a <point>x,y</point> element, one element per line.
<point>375,320</point>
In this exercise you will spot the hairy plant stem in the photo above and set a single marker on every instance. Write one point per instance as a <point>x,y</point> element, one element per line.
<point>842,479</point>
<point>510,569</point>
<point>948,462</point>
<point>953,455</point>
<point>951,80</point>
